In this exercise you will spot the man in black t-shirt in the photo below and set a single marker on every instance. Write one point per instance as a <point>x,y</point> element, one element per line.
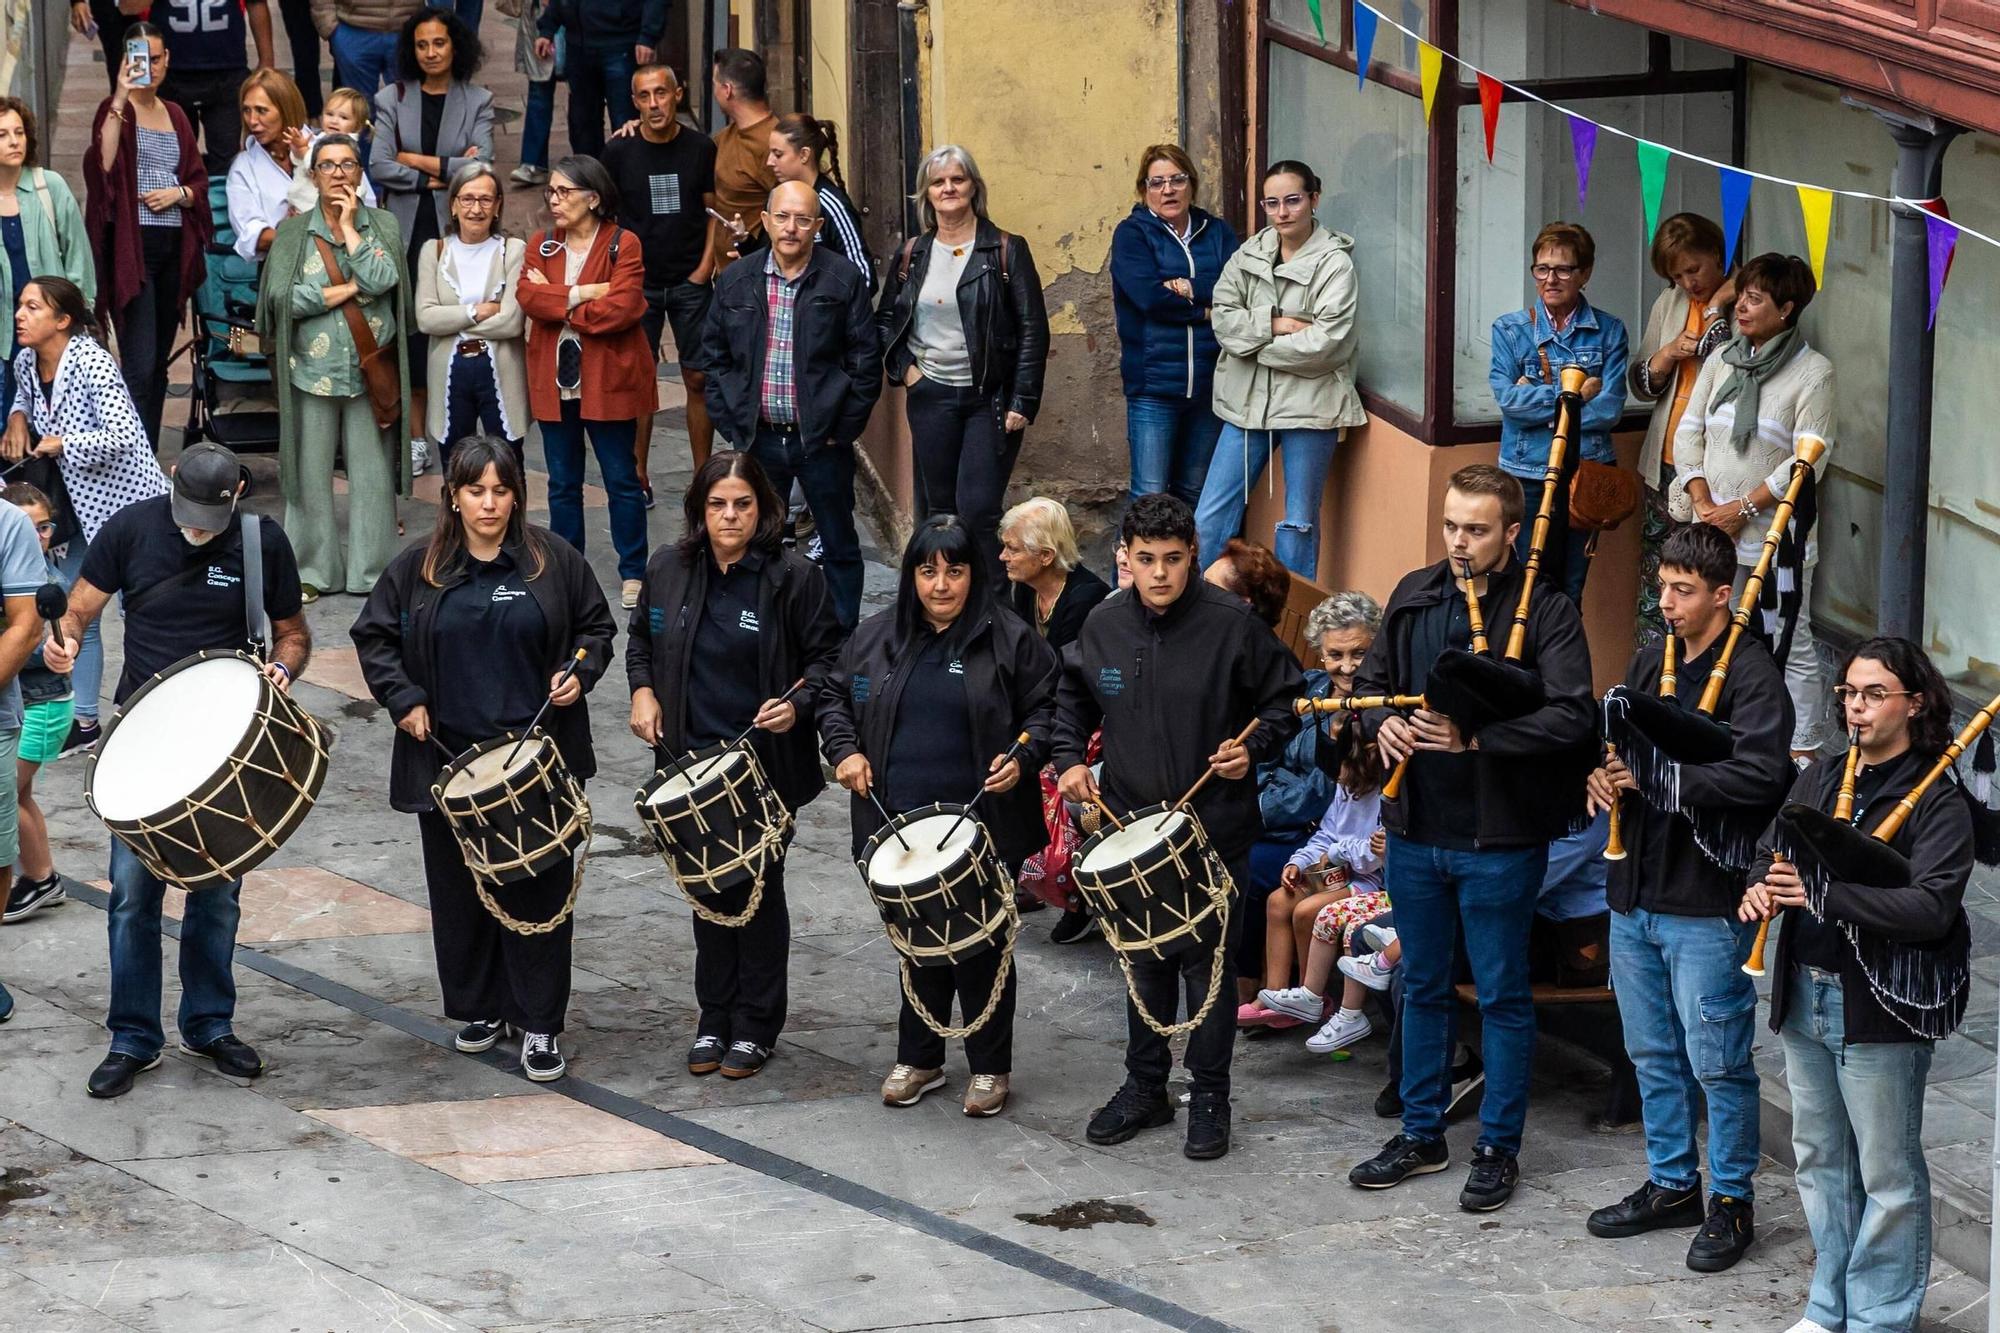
<point>177,559</point>
<point>664,172</point>
<point>206,66</point>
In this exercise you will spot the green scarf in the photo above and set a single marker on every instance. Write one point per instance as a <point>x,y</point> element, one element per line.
<point>1746,386</point>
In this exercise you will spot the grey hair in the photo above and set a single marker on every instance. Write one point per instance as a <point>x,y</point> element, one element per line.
<point>936,158</point>
<point>463,177</point>
<point>1042,524</point>
<point>326,141</point>
<point>1343,610</point>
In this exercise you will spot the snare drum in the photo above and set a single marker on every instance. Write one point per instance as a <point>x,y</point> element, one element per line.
<point>206,770</point>
<point>718,823</point>
<point>517,812</point>
<point>1154,885</point>
<point>939,904</point>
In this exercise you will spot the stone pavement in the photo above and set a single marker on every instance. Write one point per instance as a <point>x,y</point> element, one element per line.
<point>374,1178</point>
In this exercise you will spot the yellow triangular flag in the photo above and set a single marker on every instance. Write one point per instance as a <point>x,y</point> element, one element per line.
<point>1430,64</point>
<point>1817,206</point>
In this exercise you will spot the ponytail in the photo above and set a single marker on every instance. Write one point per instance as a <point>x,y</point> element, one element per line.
<point>819,138</point>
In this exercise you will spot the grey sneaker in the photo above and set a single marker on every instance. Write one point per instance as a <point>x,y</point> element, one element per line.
<point>906,1085</point>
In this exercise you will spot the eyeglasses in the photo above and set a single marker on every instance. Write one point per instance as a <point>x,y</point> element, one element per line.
<point>1178,179</point>
<point>1289,201</point>
<point>1872,695</point>
<point>479,201</point>
<point>1545,272</point>
<point>787,219</point>
<point>558,193</point>
<point>338,168</point>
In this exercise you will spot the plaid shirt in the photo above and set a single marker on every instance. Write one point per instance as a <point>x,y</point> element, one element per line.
<point>778,399</point>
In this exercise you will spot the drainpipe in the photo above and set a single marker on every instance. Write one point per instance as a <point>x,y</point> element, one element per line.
<point>906,67</point>
<point>1906,464</point>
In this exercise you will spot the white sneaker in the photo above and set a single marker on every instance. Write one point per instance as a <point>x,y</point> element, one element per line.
<point>1339,1032</point>
<point>1378,938</point>
<point>527,175</point>
<point>1368,969</point>
<point>628,593</point>
<point>1294,1002</point>
<point>420,456</point>
<point>1808,1326</point>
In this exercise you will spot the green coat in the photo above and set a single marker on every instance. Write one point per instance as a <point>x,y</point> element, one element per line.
<point>283,267</point>
<point>58,244</point>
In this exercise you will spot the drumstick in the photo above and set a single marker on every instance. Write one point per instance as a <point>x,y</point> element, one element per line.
<point>743,734</point>
<point>1202,781</point>
<point>1105,810</point>
<point>888,821</point>
<point>568,671</point>
<point>966,813</point>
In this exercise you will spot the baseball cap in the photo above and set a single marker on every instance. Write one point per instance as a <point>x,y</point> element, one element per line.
<point>205,482</point>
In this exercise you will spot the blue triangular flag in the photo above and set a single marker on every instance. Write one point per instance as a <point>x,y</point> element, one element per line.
<point>1735,198</point>
<point>1365,20</point>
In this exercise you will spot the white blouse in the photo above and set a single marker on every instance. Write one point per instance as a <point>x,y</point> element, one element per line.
<point>258,187</point>
<point>107,462</point>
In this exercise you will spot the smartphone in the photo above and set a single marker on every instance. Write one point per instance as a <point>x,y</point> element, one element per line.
<point>735,227</point>
<point>139,55</point>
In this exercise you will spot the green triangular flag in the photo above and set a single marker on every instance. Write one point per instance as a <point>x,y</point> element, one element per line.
<point>1652,182</point>
<point>1319,24</point>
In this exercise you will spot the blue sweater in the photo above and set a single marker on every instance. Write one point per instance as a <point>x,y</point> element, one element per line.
<point>1166,346</point>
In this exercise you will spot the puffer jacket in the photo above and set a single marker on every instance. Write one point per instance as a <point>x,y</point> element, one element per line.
<point>1166,346</point>
<point>1290,381</point>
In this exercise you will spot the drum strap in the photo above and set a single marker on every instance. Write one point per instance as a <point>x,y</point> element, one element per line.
<point>256,621</point>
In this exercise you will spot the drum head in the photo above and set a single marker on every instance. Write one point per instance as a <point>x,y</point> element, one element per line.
<point>894,865</point>
<point>1139,836</point>
<point>491,769</point>
<point>676,786</point>
<point>167,745</point>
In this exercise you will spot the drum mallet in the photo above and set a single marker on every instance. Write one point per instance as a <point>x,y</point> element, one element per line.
<point>1011,752</point>
<point>744,734</point>
<point>1202,781</point>
<point>887,821</point>
<point>52,604</point>
<point>575,661</point>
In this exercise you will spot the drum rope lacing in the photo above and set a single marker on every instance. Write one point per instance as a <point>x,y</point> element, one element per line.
<point>903,965</point>
<point>481,872</point>
<point>1219,888</point>
<point>777,830</point>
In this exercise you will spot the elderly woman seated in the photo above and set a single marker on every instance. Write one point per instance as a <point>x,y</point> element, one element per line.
<point>1047,585</point>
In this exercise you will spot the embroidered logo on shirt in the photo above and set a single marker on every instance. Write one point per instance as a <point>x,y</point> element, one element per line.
<point>218,577</point>
<point>1110,681</point>
<point>656,619</point>
<point>503,593</point>
<point>747,620</point>
<point>666,193</point>
<point>857,689</point>
<point>954,667</point>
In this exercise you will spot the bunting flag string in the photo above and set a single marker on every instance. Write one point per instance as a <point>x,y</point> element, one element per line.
<point>1941,241</point>
<point>1364,42</point>
<point>1583,140</point>
<point>1489,108</point>
<point>1430,67</point>
<point>1652,182</point>
<point>1816,207</point>
<point>1735,202</point>
<point>1319,20</point>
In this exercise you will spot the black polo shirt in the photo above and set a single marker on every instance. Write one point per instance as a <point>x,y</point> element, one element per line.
<point>930,750</point>
<point>486,639</point>
<point>141,545</point>
<point>723,692</point>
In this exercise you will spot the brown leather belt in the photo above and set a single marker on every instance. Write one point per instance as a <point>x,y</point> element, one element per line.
<point>472,347</point>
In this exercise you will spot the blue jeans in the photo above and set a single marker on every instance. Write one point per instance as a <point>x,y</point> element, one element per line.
<point>600,79</point>
<point>826,473</point>
<point>1857,1130</point>
<point>611,441</point>
<point>1690,1015</point>
<point>1487,901</point>
<point>1172,440</point>
<point>208,947</point>
<point>1239,460</point>
<point>536,122</point>
<point>362,59</point>
<point>87,676</point>
<point>471,11</point>
<point>1576,561</point>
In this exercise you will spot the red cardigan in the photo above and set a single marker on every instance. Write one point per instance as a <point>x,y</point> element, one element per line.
<point>618,367</point>
<point>111,211</point>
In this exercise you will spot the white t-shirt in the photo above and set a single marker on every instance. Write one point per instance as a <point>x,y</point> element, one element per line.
<point>472,267</point>
<point>937,333</point>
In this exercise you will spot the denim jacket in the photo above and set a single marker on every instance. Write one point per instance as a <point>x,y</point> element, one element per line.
<point>1593,340</point>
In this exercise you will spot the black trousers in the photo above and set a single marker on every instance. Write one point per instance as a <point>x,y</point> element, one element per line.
<point>740,971</point>
<point>111,27</point>
<point>1149,1058</point>
<point>963,460</point>
<point>146,327</point>
<point>485,970</point>
<point>208,97</point>
<point>306,48</point>
<point>472,403</point>
<point>989,1050</point>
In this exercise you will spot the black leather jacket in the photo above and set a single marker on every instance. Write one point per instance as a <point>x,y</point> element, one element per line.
<point>1006,325</point>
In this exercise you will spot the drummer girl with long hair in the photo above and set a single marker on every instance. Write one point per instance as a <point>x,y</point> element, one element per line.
<point>727,622</point>
<point>463,638</point>
<point>929,697</point>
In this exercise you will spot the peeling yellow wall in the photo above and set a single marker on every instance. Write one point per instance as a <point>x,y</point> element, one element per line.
<point>830,83</point>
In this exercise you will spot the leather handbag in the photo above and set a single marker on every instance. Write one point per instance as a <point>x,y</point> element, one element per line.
<point>1601,496</point>
<point>379,372</point>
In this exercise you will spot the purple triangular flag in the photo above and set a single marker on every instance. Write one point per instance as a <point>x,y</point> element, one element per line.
<point>1943,239</point>
<point>1735,199</point>
<point>1583,138</point>
<point>1365,20</point>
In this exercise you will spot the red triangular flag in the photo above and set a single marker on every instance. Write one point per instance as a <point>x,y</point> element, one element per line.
<point>1489,108</point>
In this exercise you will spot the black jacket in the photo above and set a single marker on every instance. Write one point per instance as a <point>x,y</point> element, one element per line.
<point>1530,771</point>
<point>1664,871</point>
<point>1010,687</point>
<point>392,637</point>
<point>835,360</point>
<point>1169,689</point>
<point>1006,325</point>
<point>602,24</point>
<point>1930,912</point>
<point>1081,593</point>
<point>799,637</point>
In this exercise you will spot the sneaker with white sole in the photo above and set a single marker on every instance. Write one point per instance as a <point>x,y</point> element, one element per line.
<point>479,1036</point>
<point>1368,969</point>
<point>1340,1031</point>
<point>986,1095</point>
<point>32,895</point>
<point>541,1057</point>
<point>1377,937</point>
<point>527,175</point>
<point>628,593</point>
<point>1808,1326</point>
<point>1294,1001</point>
<point>420,456</point>
<point>907,1084</point>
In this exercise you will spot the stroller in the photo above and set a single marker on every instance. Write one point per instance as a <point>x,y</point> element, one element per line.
<point>232,401</point>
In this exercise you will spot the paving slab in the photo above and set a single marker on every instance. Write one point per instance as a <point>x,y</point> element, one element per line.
<point>28,1307</point>
<point>309,903</point>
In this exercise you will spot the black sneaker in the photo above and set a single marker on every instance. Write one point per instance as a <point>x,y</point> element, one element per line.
<point>1074,928</point>
<point>1726,1234</point>
<point>1648,1208</point>
<point>80,738</point>
<point>1400,1158</point>
<point>744,1059</point>
<point>1028,902</point>
<point>541,1057</point>
<point>1134,1107</point>
<point>113,1076</point>
<point>32,895</point>
<point>231,1056</point>
<point>1468,1087</point>
<point>705,1056</point>
<point>1389,1102</point>
<point>480,1036</point>
<point>1208,1126</point>
<point>1491,1181</point>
